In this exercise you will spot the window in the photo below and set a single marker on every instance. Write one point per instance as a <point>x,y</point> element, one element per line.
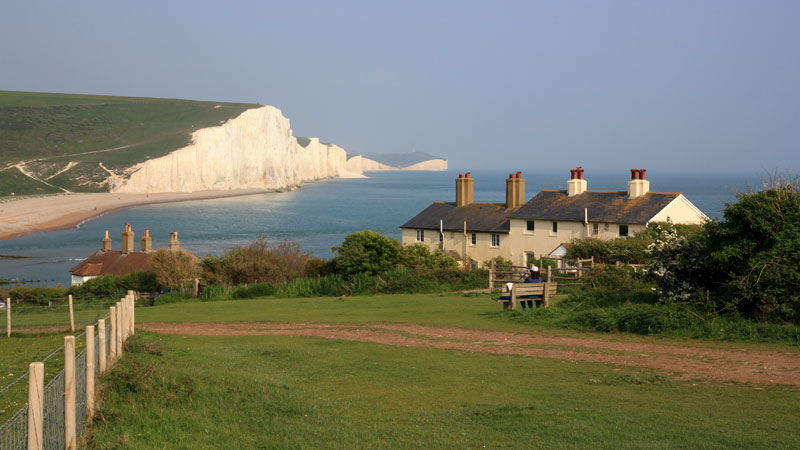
<point>595,229</point>
<point>474,238</point>
<point>420,235</point>
<point>531,225</point>
<point>555,227</point>
<point>623,230</point>
<point>495,240</point>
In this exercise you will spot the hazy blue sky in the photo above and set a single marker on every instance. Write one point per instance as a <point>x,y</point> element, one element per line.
<point>666,85</point>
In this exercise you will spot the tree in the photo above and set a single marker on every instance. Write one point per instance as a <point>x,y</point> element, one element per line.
<point>420,255</point>
<point>367,252</point>
<point>174,269</point>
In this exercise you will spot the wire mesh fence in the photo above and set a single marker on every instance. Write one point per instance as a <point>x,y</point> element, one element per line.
<point>53,418</point>
<point>14,433</point>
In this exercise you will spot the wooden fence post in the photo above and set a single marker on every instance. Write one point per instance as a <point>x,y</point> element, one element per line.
<point>491,275</point>
<point>196,287</point>
<point>71,315</point>
<point>122,311</point>
<point>69,393</point>
<point>101,344</point>
<point>8,317</point>
<point>119,337</point>
<point>112,321</point>
<point>36,406</point>
<point>133,313</point>
<point>89,373</point>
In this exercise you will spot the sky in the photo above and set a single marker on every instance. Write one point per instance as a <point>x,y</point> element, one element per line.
<point>686,86</point>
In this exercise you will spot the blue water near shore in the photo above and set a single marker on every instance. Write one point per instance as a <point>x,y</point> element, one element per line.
<point>319,215</point>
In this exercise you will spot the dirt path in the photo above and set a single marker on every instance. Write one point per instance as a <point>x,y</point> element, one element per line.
<point>686,363</point>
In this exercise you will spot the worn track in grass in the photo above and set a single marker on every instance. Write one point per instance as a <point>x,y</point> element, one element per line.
<point>687,363</point>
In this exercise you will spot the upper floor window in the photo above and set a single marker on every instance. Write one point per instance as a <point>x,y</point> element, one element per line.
<point>623,230</point>
<point>531,225</point>
<point>420,235</point>
<point>555,227</point>
<point>595,229</point>
<point>495,240</point>
<point>474,238</point>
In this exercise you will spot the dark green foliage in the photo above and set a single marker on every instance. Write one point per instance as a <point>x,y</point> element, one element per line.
<point>610,285</point>
<point>497,260</point>
<point>37,295</point>
<point>367,252</point>
<point>756,254</point>
<point>254,290</point>
<point>395,281</point>
<point>630,250</point>
<point>176,296</point>
<point>138,281</point>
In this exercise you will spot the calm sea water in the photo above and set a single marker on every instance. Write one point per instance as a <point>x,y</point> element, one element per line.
<point>317,216</point>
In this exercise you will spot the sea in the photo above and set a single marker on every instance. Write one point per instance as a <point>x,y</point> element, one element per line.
<point>319,215</point>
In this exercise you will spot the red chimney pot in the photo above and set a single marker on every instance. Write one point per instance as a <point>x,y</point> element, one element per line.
<point>641,173</point>
<point>461,175</point>
<point>466,175</point>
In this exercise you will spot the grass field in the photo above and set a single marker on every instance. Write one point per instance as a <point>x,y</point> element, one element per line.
<point>270,391</point>
<point>56,129</point>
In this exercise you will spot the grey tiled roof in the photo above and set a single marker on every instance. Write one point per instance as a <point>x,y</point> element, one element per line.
<point>483,217</point>
<point>602,206</point>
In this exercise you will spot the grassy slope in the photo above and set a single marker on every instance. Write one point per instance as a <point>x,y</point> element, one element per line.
<point>59,128</point>
<point>287,392</point>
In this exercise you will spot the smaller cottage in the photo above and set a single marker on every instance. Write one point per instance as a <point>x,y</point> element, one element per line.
<point>112,262</point>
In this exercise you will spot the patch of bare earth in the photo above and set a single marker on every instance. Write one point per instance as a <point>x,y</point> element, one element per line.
<point>683,362</point>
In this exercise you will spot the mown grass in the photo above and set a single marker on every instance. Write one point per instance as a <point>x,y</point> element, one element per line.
<point>176,391</point>
<point>60,127</point>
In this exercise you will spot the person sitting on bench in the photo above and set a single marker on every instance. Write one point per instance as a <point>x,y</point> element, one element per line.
<point>534,277</point>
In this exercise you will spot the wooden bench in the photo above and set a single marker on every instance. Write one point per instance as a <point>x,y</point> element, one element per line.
<point>544,290</point>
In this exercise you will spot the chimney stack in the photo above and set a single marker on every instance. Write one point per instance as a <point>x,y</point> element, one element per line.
<point>106,243</point>
<point>174,243</point>
<point>638,186</point>
<point>465,187</point>
<point>147,241</point>
<point>576,184</point>
<point>127,240</point>
<point>515,190</point>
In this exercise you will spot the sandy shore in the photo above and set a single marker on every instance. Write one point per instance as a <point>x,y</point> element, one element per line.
<point>27,215</point>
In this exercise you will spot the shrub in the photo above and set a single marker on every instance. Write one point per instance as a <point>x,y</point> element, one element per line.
<point>610,285</point>
<point>173,297</point>
<point>420,255</point>
<point>39,295</point>
<point>257,262</point>
<point>255,290</point>
<point>367,252</point>
<point>174,268</point>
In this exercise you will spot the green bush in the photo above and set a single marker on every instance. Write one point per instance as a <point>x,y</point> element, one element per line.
<point>420,255</point>
<point>254,290</point>
<point>367,252</point>
<point>173,297</point>
<point>39,295</point>
<point>258,262</point>
<point>610,285</point>
<point>215,292</point>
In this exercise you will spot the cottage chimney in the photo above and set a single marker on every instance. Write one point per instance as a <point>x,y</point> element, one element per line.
<point>576,184</point>
<point>106,243</point>
<point>174,243</point>
<point>515,190</point>
<point>147,241</point>
<point>464,189</point>
<point>127,240</point>
<point>638,186</point>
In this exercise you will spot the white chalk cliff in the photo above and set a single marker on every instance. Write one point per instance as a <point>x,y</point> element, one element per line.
<point>254,150</point>
<point>360,164</point>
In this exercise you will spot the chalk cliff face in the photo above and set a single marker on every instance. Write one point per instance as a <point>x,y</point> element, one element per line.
<point>254,150</point>
<point>361,164</point>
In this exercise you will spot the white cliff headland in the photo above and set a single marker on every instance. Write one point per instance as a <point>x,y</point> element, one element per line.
<point>254,150</point>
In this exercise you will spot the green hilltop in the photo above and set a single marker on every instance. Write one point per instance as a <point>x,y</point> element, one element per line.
<point>53,143</point>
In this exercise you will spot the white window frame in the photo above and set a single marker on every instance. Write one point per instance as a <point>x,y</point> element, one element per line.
<point>473,239</point>
<point>495,240</point>
<point>555,225</point>
<point>595,229</point>
<point>420,235</point>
